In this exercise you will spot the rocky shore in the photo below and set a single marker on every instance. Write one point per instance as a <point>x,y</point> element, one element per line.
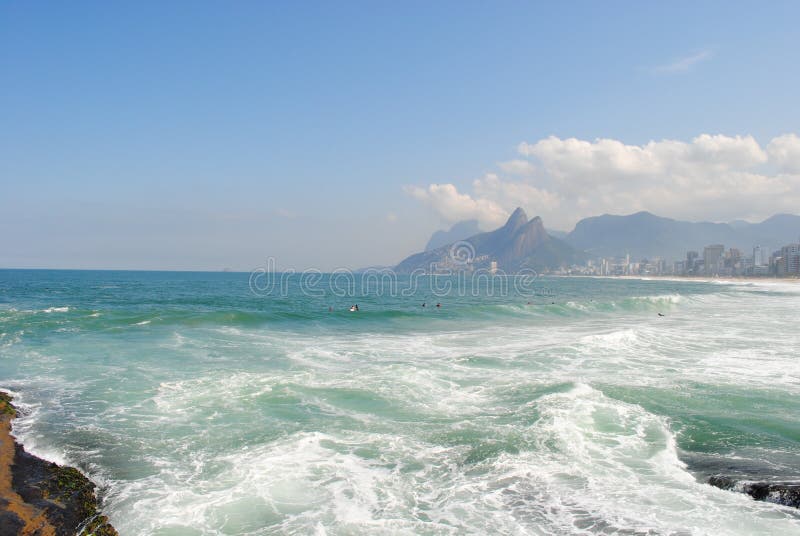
<point>785,493</point>
<point>41,498</point>
<point>775,481</point>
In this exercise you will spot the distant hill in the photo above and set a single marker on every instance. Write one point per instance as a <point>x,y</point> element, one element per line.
<point>459,231</point>
<point>516,245</point>
<point>465,229</point>
<point>558,234</point>
<point>645,235</point>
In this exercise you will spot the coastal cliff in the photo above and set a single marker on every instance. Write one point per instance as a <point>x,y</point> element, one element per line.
<point>41,498</point>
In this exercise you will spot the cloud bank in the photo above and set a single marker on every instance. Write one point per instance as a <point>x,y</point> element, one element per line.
<point>711,178</point>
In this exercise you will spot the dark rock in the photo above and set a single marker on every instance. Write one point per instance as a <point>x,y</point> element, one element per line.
<point>63,494</point>
<point>722,482</point>
<point>10,524</point>
<point>785,493</point>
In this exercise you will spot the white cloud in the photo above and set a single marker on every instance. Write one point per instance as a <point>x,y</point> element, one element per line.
<point>712,177</point>
<point>785,152</point>
<point>453,206</point>
<point>682,65</point>
<point>518,167</point>
<point>510,194</point>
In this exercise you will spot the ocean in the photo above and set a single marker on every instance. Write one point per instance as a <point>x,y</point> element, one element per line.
<point>216,404</point>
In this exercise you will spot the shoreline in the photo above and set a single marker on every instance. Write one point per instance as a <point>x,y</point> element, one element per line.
<point>39,497</point>
<point>692,279</point>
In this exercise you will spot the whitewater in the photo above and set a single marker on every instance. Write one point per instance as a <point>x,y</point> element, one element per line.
<point>201,407</point>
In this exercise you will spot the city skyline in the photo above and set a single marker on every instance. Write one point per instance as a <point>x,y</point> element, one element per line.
<point>637,244</point>
<point>715,261</point>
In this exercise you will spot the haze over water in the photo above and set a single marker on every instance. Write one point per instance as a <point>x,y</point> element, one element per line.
<point>203,408</point>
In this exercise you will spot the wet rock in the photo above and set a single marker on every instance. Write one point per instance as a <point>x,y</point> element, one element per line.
<point>785,493</point>
<point>47,498</point>
<point>10,524</point>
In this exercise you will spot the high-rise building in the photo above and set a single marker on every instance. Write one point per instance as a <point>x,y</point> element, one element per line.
<point>790,260</point>
<point>732,262</point>
<point>760,256</point>
<point>712,259</point>
<point>691,260</point>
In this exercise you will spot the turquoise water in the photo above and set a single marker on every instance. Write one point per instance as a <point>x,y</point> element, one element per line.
<point>201,407</point>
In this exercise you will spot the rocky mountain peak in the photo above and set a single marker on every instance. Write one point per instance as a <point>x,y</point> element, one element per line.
<point>519,244</point>
<point>517,219</point>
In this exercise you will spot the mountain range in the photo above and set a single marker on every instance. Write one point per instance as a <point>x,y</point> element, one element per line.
<point>644,236</point>
<point>459,231</point>
<point>517,245</point>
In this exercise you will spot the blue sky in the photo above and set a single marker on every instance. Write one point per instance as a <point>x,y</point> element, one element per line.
<point>204,135</point>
